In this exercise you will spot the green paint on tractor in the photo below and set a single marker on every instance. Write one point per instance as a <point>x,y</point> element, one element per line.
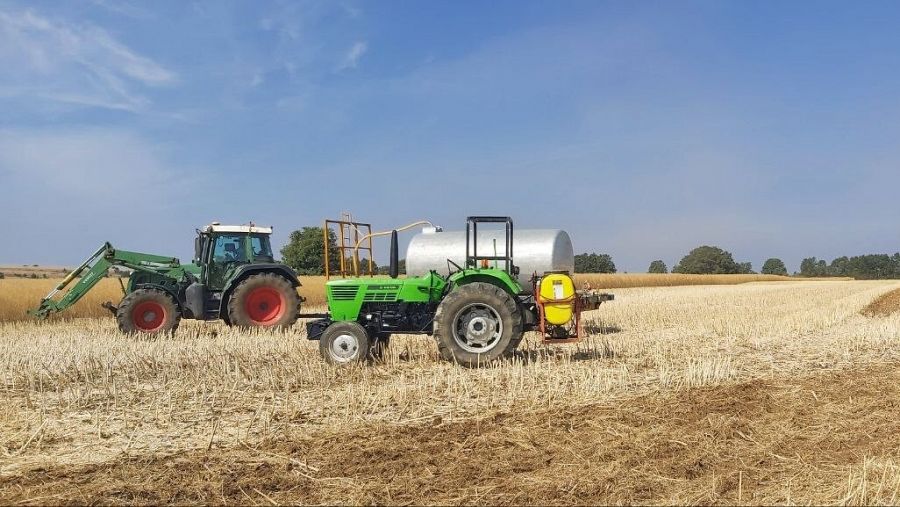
<point>347,297</point>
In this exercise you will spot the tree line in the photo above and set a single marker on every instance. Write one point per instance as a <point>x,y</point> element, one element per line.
<point>861,267</point>
<point>703,260</point>
<point>711,260</point>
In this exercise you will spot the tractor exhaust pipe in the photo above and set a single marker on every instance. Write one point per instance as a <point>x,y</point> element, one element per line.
<point>395,263</point>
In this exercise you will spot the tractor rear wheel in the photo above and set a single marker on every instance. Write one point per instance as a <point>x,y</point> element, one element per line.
<point>263,300</point>
<point>149,311</point>
<point>476,324</point>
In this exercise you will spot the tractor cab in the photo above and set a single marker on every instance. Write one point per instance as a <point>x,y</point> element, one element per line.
<point>221,249</point>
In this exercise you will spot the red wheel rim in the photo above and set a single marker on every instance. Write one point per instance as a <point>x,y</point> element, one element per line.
<point>265,306</point>
<point>148,316</point>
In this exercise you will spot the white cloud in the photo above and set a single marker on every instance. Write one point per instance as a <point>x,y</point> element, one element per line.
<point>70,63</point>
<point>63,191</point>
<point>352,56</point>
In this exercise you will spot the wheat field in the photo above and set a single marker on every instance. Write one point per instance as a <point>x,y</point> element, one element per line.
<point>17,295</point>
<point>780,392</point>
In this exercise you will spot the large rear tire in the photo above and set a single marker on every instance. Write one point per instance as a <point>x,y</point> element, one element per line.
<point>263,300</point>
<point>148,311</point>
<point>476,324</point>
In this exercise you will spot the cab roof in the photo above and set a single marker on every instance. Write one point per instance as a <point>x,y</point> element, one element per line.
<point>252,228</point>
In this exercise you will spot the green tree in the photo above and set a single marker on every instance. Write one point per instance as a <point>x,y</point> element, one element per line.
<point>840,267</point>
<point>867,267</point>
<point>2,276</point>
<point>774,266</point>
<point>658,267</point>
<point>305,251</point>
<point>710,260</point>
<point>594,263</point>
<point>812,267</point>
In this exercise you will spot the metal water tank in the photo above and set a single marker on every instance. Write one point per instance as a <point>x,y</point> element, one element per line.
<point>534,251</point>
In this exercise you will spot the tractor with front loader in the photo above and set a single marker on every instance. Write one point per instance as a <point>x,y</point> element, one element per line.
<point>477,313</point>
<point>233,277</point>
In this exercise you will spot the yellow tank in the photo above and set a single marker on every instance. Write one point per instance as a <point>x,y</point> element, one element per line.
<point>557,291</point>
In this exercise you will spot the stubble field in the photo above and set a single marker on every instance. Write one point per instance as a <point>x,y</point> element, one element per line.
<point>777,392</point>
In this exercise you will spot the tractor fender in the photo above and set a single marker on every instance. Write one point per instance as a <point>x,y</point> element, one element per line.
<point>499,279</point>
<point>167,290</point>
<point>253,269</point>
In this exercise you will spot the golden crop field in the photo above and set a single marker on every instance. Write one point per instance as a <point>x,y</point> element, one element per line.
<point>18,294</point>
<point>783,392</point>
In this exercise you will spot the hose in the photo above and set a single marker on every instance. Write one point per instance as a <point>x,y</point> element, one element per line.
<point>385,233</point>
<point>382,233</point>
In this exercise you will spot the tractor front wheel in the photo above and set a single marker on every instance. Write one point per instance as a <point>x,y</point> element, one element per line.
<point>476,324</point>
<point>148,311</point>
<point>263,300</point>
<point>345,343</point>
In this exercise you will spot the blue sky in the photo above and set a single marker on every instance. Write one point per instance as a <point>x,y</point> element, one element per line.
<point>643,128</point>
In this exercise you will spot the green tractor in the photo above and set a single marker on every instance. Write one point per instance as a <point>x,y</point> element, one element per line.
<point>477,313</point>
<point>233,277</point>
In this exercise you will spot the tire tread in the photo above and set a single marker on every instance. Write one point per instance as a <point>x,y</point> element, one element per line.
<point>123,313</point>
<point>463,293</point>
<point>235,312</point>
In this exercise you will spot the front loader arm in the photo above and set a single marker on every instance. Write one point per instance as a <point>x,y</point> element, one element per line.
<point>94,273</point>
<point>95,268</point>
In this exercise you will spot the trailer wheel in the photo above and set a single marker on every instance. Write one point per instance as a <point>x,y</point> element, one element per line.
<point>345,343</point>
<point>476,324</point>
<point>263,300</point>
<point>148,311</point>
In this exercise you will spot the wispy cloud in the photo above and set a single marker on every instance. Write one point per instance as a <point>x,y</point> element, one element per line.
<point>351,10</point>
<point>287,27</point>
<point>73,63</point>
<point>353,55</point>
<point>123,8</point>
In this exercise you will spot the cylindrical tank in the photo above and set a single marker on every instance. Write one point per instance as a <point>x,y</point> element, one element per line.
<point>534,251</point>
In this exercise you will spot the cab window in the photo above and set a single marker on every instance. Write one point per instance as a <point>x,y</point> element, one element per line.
<point>229,249</point>
<point>261,246</point>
